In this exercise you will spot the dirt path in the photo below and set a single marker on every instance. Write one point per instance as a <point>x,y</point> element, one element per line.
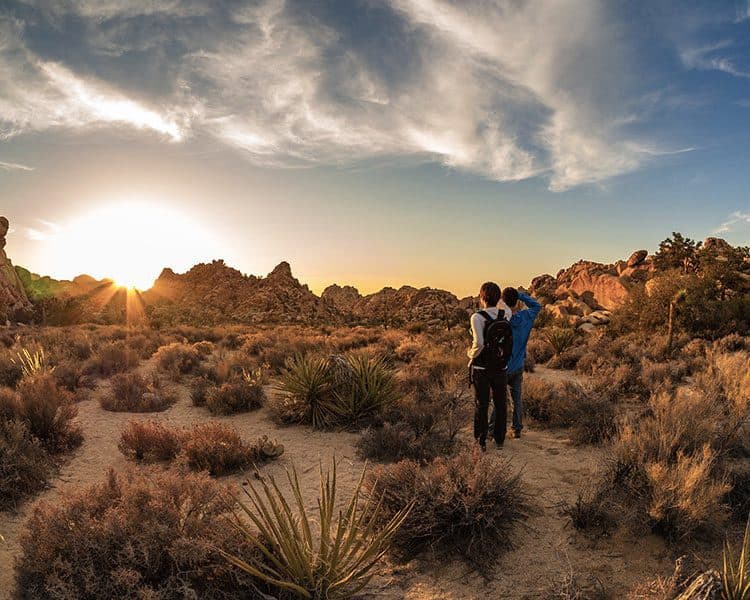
<point>547,547</point>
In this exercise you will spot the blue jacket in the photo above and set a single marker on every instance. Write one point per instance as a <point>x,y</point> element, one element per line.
<point>521,323</point>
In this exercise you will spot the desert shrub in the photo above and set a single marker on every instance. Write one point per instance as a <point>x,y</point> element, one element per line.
<point>112,357</point>
<point>231,341</point>
<point>560,338</point>
<point>204,348</point>
<point>178,359</point>
<point>666,472</point>
<point>219,449</point>
<point>199,391</point>
<point>131,392</point>
<point>731,343</point>
<point>465,504</point>
<point>567,359</point>
<point>139,535</point>
<point>149,441</point>
<point>10,371</point>
<point>234,397</point>
<point>655,375</point>
<point>422,426</point>
<point>539,350</point>
<point>307,385</point>
<point>24,464</point>
<point>49,412</point>
<point>589,512</point>
<point>408,350</point>
<point>70,375</point>
<point>336,564</point>
<point>213,447</point>
<point>590,415</point>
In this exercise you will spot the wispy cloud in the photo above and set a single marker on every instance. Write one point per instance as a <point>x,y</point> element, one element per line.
<point>706,58</point>
<point>43,230</point>
<point>735,219</point>
<point>507,90</point>
<point>9,166</point>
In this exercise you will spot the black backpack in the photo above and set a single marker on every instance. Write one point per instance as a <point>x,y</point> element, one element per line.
<point>498,343</point>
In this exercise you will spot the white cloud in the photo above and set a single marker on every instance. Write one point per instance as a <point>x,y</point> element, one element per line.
<point>735,219</point>
<point>48,230</point>
<point>508,89</point>
<point>38,95</point>
<point>705,58</point>
<point>9,166</point>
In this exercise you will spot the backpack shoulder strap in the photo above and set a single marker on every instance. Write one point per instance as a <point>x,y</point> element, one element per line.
<point>486,315</point>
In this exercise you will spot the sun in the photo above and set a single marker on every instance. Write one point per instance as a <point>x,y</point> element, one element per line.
<point>130,242</point>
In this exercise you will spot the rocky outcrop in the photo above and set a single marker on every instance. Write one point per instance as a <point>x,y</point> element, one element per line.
<point>588,286</point>
<point>405,304</point>
<point>215,293</point>
<point>13,296</point>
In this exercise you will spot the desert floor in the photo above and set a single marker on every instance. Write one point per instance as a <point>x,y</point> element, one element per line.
<point>548,549</point>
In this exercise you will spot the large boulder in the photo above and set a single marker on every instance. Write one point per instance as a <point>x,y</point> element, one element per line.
<point>12,293</point>
<point>637,258</point>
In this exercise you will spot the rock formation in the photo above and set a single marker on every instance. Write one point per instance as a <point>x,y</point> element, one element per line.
<point>406,304</point>
<point>214,292</point>
<point>587,291</point>
<point>12,294</point>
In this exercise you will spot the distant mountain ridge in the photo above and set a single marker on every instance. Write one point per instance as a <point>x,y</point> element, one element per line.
<point>214,293</point>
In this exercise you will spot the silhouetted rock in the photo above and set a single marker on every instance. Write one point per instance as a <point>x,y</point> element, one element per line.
<point>12,293</point>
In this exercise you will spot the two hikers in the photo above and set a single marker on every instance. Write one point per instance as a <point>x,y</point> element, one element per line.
<point>500,333</point>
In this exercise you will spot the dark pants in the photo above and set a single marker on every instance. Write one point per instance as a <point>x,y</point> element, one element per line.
<point>484,384</point>
<point>515,383</point>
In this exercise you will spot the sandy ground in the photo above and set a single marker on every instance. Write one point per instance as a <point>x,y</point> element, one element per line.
<point>548,549</point>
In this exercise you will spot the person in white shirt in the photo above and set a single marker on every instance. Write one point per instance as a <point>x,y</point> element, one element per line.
<point>487,377</point>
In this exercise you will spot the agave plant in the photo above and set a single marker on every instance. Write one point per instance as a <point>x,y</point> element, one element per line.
<point>334,563</point>
<point>560,338</point>
<point>307,380</point>
<point>368,388</point>
<point>735,577</point>
<point>32,364</point>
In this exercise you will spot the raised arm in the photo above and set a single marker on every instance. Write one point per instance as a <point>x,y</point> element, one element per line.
<point>532,306</point>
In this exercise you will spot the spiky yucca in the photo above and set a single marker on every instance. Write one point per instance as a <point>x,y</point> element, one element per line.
<point>307,381</point>
<point>367,388</point>
<point>560,338</point>
<point>735,577</point>
<point>335,564</point>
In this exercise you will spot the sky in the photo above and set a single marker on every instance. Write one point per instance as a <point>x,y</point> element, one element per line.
<point>369,142</point>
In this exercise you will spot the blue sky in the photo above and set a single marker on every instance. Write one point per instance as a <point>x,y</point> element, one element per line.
<point>371,142</point>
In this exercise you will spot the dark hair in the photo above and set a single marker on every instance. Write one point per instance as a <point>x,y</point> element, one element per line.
<point>490,293</point>
<point>510,297</point>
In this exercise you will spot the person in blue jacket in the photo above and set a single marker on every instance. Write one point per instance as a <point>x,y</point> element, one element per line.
<point>521,323</point>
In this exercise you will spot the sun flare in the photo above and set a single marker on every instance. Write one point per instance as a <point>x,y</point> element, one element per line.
<point>130,243</point>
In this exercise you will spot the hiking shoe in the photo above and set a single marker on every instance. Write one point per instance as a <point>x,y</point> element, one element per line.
<point>516,434</point>
<point>499,444</point>
<point>483,446</point>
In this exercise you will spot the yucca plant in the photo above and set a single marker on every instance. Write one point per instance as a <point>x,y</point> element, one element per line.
<point>560,338</point>
<point>32,364</point>
<point>306,380</point>
<point>735,577</point>
<point>335,562</point>
<point>367,388</point>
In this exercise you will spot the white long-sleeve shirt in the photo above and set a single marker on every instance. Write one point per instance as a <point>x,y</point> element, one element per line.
<point>477,328</point>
